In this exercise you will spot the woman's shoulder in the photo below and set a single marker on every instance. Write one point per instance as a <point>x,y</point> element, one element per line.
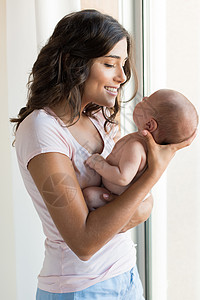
<point>38,133</point>
<point>41,128</point>
<point>36,127</point>
<point>37,121</point>
<point>39,116</point>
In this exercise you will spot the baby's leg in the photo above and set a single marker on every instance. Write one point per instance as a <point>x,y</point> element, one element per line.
<point>94,196</point>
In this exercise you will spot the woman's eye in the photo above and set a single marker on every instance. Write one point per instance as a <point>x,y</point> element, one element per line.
<point>109,66</point>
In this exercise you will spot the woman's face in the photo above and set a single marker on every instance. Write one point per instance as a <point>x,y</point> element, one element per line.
<point>106,76</point>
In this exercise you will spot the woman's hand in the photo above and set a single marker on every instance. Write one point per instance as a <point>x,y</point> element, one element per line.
<point>159,156</point>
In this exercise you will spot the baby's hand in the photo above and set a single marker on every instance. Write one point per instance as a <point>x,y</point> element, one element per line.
<point>95,161</point>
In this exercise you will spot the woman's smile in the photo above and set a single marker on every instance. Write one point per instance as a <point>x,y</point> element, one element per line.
<point>112,90</point>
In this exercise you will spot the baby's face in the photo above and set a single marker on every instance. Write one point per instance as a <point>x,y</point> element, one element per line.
<point>143,112</point>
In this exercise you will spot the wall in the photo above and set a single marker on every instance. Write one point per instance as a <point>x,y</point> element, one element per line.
<point>7,248</point>
<point>183,206</point>
<point>174,62</point>
<point>21,53</point>
<point>105,6</point>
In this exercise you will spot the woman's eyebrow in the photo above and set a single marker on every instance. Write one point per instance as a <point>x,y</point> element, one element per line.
<point>115,56</point>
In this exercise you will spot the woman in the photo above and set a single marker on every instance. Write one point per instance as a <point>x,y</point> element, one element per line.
<point>73,100</point>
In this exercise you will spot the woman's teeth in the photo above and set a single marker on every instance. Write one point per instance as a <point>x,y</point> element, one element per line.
<point>114,90</point>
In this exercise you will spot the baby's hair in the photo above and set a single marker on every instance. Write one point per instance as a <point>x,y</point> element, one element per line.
<point>176,117</point>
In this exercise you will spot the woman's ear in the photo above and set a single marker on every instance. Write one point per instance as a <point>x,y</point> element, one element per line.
<point>151,125</point>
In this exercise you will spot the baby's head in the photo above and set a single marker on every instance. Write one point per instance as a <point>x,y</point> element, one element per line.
<point>168,115</point>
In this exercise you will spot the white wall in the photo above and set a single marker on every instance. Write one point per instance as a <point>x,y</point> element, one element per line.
<point>175,63</point>
<point>48,13</point>
<point>7,247</point>
<point>183,74</point>
<point>21,53</point>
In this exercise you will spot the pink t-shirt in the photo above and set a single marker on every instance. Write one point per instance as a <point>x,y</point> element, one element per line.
<point>62,270</point>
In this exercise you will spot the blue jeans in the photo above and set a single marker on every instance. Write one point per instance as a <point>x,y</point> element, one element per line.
<point>126,286</point>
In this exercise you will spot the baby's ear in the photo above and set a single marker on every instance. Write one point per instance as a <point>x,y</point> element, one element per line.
<point>151,125</point>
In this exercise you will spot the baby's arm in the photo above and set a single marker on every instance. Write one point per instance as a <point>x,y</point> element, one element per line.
<point>102,167</point>
<point>128,166</point>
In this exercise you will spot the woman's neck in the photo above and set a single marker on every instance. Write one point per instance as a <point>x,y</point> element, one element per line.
<point>63,112</point>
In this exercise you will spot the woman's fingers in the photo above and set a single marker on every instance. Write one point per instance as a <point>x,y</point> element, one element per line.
<point>149,137</point>
<point>185,143</point>
<point>159,156</point>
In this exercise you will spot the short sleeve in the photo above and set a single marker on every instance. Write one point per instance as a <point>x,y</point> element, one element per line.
<point>40,133</point>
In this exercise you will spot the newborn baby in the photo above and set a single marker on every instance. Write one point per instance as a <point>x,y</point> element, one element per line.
<point>168,115</point>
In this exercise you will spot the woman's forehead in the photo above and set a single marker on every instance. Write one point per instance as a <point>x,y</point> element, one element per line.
<point>119,51</point>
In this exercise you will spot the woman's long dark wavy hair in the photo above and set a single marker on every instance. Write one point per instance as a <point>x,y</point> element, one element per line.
<point>64,63</point>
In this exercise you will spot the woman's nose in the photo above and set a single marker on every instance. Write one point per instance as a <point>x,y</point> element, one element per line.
<point>120,76</point>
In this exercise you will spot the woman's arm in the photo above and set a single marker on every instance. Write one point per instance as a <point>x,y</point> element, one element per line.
<point>86,232</point>
<point>96,197</point>
<point>141,214</point>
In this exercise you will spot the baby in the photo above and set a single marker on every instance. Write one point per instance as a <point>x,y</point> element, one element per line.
<point>168,115</point>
